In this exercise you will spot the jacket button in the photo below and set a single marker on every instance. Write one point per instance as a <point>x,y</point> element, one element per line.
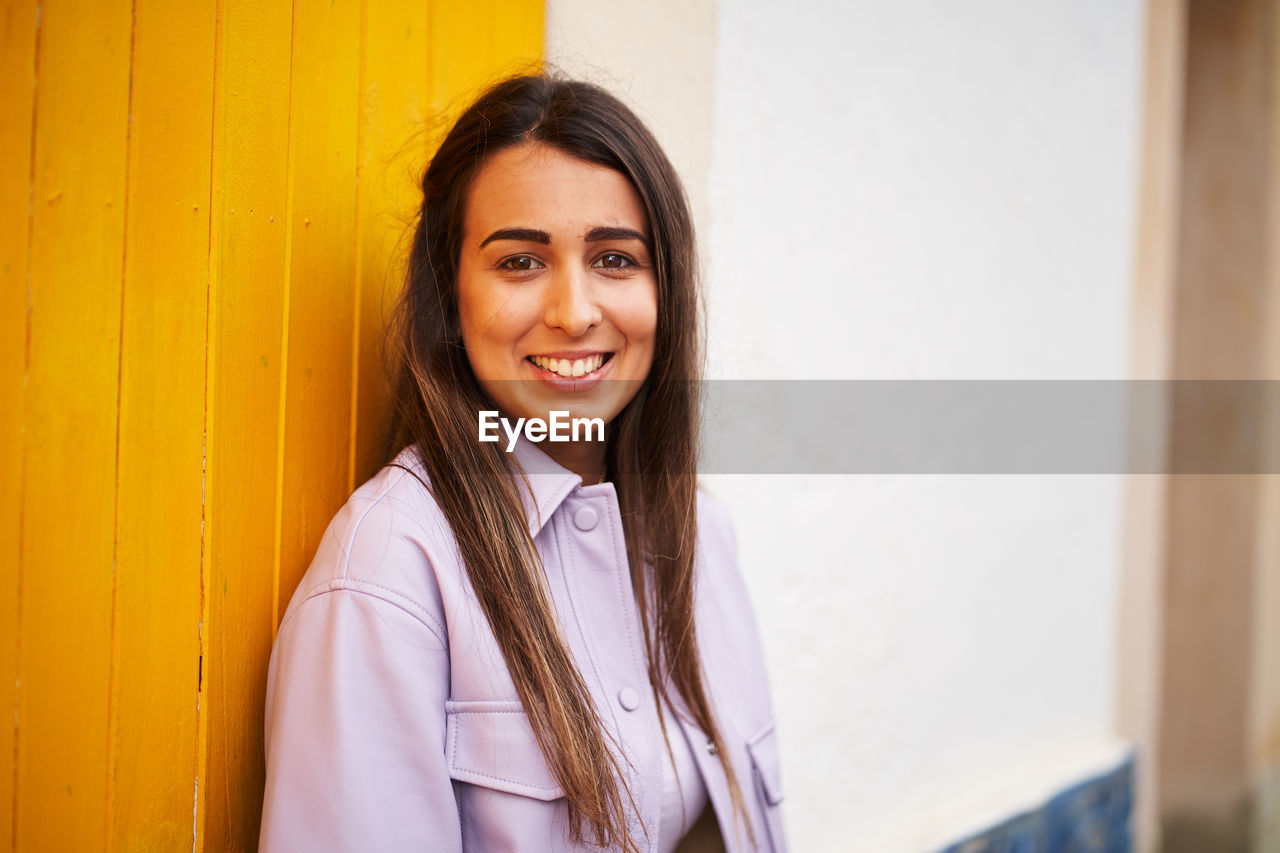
<point>585,519</point>
<point>711,747</point>
<point>628,698</point>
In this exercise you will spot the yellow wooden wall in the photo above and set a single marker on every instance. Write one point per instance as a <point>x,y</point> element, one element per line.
<point>200,207</point>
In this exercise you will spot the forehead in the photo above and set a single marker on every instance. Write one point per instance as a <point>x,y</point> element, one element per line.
<point>536,186</point>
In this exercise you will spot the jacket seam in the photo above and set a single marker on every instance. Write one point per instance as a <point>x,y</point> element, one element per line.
<point>762,732</point>
<point>390,596</point>
<point>458,714</point>
<point>453,761</point>
<point>385,594</point>
<point>351,535</point>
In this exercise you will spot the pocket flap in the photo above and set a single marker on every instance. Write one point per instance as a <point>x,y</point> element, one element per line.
<point>764,757</point>
<point>492,744</point>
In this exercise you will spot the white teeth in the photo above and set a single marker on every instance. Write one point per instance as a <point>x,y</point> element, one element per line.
<point>569,369</point>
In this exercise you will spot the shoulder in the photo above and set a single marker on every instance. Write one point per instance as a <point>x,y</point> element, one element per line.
<point>733,654</point>
<point>711,510</point>
<point>717,539</point>
<point>387,542</point>
<point>719,572</point>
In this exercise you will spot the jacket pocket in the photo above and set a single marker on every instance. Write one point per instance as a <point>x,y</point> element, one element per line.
<point>767,778</point>
<point>491,744</point>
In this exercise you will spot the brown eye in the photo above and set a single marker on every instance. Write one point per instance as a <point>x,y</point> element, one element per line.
<point>519,263</point>
<point>614,261</point>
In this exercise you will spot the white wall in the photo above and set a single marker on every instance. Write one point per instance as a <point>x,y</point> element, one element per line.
<point>897,191</point>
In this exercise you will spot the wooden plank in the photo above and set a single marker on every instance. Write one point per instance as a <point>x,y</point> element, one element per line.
<point>68,532</point>
<point>17,104</point>
<point>460,55</point>
<point>516,36</point>
<point>321,290</point>
<point>393,115</point>
<point>162,396</point>
<point>246,294</point>
<point>475,44</point>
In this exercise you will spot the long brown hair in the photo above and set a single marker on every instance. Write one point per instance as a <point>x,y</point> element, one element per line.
<point>651,456</point>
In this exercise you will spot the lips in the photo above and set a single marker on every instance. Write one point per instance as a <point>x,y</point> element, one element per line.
<point>571,368</point>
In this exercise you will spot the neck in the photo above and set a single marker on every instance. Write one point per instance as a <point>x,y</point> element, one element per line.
<point>584,458</point>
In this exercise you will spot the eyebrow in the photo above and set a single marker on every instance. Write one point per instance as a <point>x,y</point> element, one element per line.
<point>598,234</point>
<point>601,234</point>
<point>524,235</point>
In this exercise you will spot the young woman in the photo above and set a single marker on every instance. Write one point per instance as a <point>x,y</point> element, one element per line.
<point>522,644</point>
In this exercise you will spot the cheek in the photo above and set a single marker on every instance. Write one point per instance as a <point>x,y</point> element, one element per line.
<point>481,335</point>
<point>468,310</point>
<point>641,318</point>
<point>489,326</point>
<point>488,346</point>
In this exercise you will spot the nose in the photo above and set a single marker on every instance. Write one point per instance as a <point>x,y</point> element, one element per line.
<point>570,302</point>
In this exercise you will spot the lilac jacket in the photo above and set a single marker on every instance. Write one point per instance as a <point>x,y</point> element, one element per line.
<point>392,723</point>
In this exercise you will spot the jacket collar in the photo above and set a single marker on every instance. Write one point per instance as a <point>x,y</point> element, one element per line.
<point>549,483</point>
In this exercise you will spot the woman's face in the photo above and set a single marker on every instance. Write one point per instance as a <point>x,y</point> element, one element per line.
<point>557,294</point>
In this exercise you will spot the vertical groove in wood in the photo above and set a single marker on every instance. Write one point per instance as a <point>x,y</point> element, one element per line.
<point>213,268</point>
<point>358,237</point>
<point>161,427</point>
<point>282,358</point>
<point>113,713</point>
<point>68,524</point>
<point>18,51</point>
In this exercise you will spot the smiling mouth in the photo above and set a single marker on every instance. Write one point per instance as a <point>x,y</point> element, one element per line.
<point>571,368</point>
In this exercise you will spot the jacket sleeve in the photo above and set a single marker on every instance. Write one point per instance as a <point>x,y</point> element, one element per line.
<point>355,727</point>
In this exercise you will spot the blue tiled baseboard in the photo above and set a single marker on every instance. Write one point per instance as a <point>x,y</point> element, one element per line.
<point>1090,817</point>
